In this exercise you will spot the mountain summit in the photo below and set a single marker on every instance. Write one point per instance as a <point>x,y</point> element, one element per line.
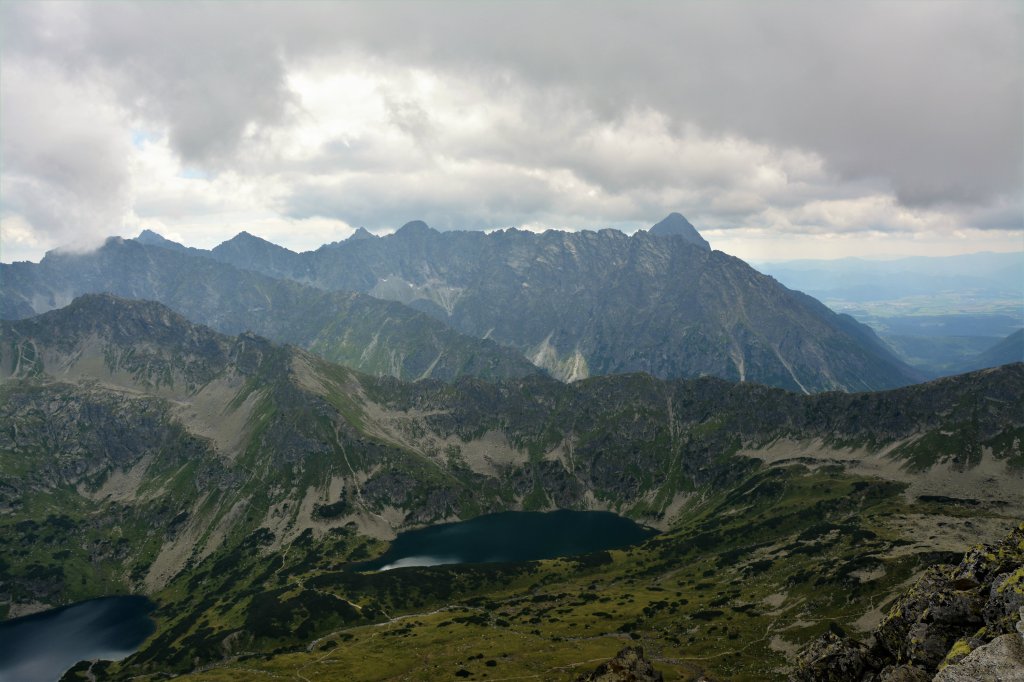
<point>361,233</point>
<point>156,239</point>
<point>675,225</point>
<point>415,227</point>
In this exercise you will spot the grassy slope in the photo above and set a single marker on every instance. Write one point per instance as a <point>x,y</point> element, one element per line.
<point>726,592</point>
<point>762,556</point>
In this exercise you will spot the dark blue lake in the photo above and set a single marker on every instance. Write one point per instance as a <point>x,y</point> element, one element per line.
<point>41,647</point>
<point>511,536</point>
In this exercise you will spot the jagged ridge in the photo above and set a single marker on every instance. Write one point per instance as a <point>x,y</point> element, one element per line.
<point>594,303</point>
<point>374,336</point>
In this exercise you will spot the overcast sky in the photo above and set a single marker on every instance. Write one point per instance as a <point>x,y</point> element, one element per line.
<point>790,129</point>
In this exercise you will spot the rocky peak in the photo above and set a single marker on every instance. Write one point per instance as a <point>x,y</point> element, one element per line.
<point>675,225</point>
<point>414,227</point>
<point>151,238</point>
<point>361,233</point>
<point>121,321</point>
<point>245,248</point>
<point>244,237</point>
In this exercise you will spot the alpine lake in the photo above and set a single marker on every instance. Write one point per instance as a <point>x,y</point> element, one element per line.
<point>511,537</point>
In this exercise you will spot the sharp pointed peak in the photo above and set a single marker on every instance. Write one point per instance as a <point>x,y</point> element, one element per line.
<point>151,238</point>
<point>248,243</point>
<point>246,235</point>
<point>361,233</point>
<point>675,225</point>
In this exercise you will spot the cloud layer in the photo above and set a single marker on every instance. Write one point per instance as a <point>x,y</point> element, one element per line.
<point>301,121</point>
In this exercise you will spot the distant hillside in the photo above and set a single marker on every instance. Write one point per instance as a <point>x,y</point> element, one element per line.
<point>936,313</point>
<point>375,336</point>
<point>1010,349</point>
<point>859,279</point>
<point>595,303</point>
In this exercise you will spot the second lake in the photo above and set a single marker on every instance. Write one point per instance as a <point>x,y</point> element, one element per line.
<point>511,536</point>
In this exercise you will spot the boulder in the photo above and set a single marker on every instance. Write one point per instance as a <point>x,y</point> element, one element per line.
<point>1005,599</point>
<point>964,622</point>
<point>924,623</point>
<point>629,665</point>
<point>833,658</point>
<point>1001,660</point>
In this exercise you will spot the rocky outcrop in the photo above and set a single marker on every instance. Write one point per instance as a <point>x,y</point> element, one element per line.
<point>923,624</point>
<point>964,622</point>
<point>834,657</point>
<point>629,665</point>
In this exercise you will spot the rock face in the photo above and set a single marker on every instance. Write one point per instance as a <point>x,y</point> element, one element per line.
<point>925,623</point>
<point>965,622</point>
<point>629,665</point>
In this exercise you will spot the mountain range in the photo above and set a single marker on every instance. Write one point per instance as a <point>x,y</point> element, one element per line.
<point>594,303</point>
<point>573,304</point>
<point>366,333</point>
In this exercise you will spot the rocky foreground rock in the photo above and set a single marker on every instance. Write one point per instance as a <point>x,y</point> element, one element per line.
<point>629,665</point>
<point>957,623</point>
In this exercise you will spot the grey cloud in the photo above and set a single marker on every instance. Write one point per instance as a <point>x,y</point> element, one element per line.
<point>928,95</point>
<point>160,206</point>
<point>1006,214</point>
<point>364,155</point>
<point>64,174</point>
<point>409,116</point>
<point>489,199</point>
<point>921,99</point>
<point>925,94</point>
<point>205,70</point>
